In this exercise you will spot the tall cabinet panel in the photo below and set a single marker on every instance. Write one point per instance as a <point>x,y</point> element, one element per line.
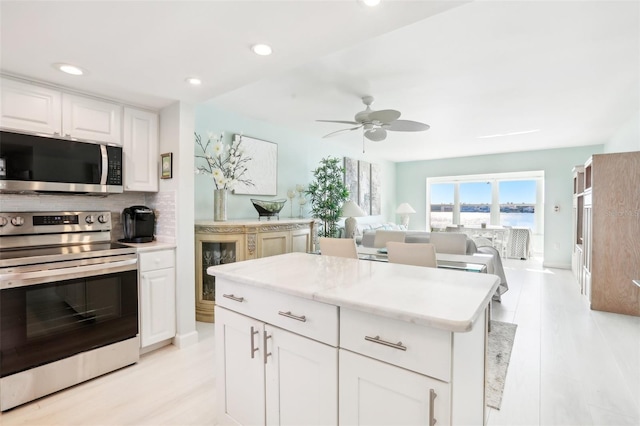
<point>612,248</point>
<point>140,150</point>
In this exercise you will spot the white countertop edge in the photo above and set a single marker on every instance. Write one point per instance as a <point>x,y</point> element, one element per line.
<point>324,296</point>
<point>152,246</point>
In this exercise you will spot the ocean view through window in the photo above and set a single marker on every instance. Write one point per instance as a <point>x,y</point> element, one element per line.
<point>509,199</point>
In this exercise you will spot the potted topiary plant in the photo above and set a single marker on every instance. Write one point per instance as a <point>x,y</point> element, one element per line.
<point>327,193</point>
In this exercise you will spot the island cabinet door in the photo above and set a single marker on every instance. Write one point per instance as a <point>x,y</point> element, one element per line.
<point>240,381</point>
<point>374,392</point>
<point>302,380</point>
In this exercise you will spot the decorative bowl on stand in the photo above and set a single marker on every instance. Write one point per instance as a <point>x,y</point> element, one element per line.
<point>268,208</point>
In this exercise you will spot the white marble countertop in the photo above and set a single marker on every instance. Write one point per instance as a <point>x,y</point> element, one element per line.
<point>445,299</point>
<point>152,246</point>
<point>253,222</point>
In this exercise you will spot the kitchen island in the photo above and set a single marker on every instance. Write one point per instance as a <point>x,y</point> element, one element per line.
<point>308,339</point>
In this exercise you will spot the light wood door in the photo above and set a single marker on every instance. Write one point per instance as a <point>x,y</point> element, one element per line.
<point>140,150</point>
<point>301,240</point>
<point>92,120</point>
<point>29,108</point>
<point>274,243</point>
<point>240,380</point>
<point>615,256</point>
<point>376,393</point>
<point>302,385</point>
<point>213,249</point>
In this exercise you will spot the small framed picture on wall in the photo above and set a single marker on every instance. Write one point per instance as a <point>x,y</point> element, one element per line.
<point>167,165</point>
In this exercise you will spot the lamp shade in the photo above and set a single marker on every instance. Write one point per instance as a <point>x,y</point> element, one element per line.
<point>351,209</point>
<point>405,208</point>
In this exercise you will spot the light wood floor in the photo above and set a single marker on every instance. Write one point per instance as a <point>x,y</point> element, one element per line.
<point>569,366</point>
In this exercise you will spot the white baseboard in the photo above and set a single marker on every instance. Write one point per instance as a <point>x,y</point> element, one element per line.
<point>184,340</point>
<point>556,265</point>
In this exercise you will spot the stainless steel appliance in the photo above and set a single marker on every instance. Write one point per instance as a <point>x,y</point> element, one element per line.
<point>68,302</point>
<point>139,223</point>
<point>33,163</point>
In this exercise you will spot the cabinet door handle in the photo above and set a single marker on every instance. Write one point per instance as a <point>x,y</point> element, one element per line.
<point>432,397</point>
<point>232,297</point>
<point>378,340</point>
<point>253,348</point>
<point>636,282</point>
<point>288,314</point>
<point>265,336</point>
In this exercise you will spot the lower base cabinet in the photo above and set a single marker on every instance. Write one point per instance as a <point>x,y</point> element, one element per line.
<point>272,376</point>
<point>157,296</point>
<point>286,360</point>
<point>368,388</point>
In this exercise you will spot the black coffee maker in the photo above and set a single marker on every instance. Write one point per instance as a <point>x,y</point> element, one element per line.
<point>139,224</point>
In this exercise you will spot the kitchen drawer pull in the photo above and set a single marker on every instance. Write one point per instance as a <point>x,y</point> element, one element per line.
<point>253,348</point>
<point>265,337</point>
<point>383,342</point>
<point>288,314</point>
<point>232,297</point>
<point>636,282</point>
<point>432,397</point>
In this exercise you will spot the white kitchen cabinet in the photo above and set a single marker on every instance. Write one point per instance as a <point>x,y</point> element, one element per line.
<point>28,108</point>
<point>157,296</point>
<point>268,374</point>
<point>90,119</point>
<point>402,359</point>
<point>376,393</point>
<point>140,150</point>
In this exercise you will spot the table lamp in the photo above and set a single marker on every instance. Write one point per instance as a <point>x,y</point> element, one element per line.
<point>351,210</point>
<point>404,210</point>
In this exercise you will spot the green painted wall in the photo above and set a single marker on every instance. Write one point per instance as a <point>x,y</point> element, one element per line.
<point>298,155</point>
<point>557,164</point>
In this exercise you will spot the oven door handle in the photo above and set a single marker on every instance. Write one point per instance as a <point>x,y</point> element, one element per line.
<point>18,279</point>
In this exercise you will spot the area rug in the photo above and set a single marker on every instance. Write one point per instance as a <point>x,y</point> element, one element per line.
<point>501,339</point>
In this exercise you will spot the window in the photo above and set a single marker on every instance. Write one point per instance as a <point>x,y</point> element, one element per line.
<point>500,199</point>
<point>518,203</point>
<point>441,205</point>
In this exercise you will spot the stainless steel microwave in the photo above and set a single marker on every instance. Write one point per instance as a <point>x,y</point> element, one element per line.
<point>30,163</point>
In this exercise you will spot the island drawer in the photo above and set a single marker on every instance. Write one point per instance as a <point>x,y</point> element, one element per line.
<point>316,320</point>
<point>417,348</point>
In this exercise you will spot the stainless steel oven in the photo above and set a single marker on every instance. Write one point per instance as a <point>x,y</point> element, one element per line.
<point>68,302</point>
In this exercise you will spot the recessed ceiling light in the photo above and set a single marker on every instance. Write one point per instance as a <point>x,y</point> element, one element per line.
<point>69,69</point>
<point>194,81</point>
<point>498,135</point>
<point>371,3</point>
<point>261,49</point>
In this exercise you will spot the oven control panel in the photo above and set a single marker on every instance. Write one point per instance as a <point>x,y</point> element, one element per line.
<point>32,223</point>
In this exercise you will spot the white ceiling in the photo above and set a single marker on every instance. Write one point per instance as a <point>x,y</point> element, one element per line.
<point>569,69</point>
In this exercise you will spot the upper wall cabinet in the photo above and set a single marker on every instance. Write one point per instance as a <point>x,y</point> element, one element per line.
<point>140,150</point>
<point>35,109</point>
<point>29,108</point>
<point>91,119</point>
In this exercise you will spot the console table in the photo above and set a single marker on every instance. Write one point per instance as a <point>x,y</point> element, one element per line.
<point>233,241</point>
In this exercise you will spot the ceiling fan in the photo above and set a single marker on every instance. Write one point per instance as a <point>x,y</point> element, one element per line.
<point>375,124</point>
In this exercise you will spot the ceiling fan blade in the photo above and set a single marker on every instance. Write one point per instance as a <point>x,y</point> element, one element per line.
<point>339,121</point>
<point>376,135</point>
<point>337,132</point>
<point>407,126</point>
<point>384,116</point>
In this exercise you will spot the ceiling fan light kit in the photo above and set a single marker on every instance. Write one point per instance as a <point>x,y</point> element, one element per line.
<point>375,124</point>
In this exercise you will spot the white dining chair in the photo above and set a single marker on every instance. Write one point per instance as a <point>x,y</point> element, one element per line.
<point>449,242</point>
<point>417,254</point>
<point>342,247</point>
<point>383,237</point>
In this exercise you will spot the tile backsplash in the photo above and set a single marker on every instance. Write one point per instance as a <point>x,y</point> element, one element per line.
<point>163,203</point>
